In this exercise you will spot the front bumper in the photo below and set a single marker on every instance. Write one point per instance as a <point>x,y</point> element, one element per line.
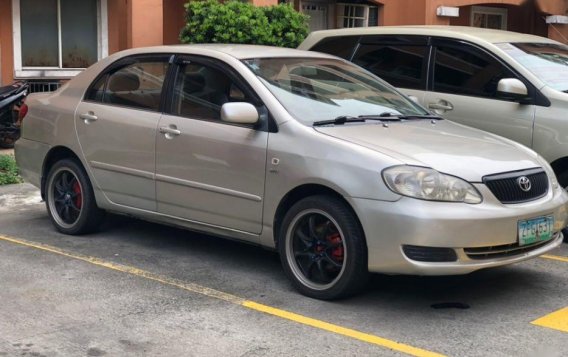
<point>389,226</point>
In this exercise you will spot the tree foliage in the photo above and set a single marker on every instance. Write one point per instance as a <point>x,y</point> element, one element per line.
<point>234,21</point>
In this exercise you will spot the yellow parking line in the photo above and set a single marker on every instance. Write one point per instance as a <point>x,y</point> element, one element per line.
<point>555,257</point>
<point>557,320</point>
<point>203,290</point>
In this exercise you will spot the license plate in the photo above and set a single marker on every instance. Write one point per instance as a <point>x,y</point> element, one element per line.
<point>535,230</point>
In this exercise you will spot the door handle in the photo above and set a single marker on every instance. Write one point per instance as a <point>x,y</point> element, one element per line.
<point>89,117</point>
<point>170,131</point>
<point>445,106</point>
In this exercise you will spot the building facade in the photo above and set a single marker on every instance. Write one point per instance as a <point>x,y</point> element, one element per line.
<point>45,41</point>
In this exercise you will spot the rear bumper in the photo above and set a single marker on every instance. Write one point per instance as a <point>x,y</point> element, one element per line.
<point>489,227</point>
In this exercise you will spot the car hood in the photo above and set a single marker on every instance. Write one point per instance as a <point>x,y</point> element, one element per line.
<point>442,145</point>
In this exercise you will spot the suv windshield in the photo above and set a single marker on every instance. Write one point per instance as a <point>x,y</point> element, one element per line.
<point>315,89</point>
<point>547,61</point>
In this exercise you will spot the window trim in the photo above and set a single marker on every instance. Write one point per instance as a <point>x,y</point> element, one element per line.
<point>56,72</point>
<point>486,10</point>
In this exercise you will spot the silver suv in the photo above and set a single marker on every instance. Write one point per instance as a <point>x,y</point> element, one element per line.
<point>511,84</point>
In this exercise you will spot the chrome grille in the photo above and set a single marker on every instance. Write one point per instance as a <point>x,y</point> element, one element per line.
<point>507,250</point>
<point>507,189</point>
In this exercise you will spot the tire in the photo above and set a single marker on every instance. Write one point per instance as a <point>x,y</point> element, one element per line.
<point>322,248</point>
<point>70,199</point>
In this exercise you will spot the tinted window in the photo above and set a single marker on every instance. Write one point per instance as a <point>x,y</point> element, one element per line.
<point>137,85</point>
<point>337,46</point>
<point>401,66</point>
<point>468,71</point>
<point>201,90</point>
<point>96,91</point>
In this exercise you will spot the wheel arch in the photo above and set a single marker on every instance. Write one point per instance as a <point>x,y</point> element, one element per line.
<point>53,155</point>
<point>300,192</point>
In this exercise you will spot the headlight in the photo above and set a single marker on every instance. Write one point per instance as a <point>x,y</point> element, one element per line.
<point>429,184</point>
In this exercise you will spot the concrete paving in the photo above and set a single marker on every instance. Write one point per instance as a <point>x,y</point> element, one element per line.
<point>54,305</point>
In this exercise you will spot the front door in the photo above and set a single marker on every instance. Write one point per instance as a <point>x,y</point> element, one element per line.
<point>464,89</point>
<point>209,171</point>
<point>116,126</point>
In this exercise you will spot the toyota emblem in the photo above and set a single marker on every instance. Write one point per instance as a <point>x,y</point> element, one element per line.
<point>524,183</point>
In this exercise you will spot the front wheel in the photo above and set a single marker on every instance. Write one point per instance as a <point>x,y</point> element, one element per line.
<point>322,248</point>
<point>70,199</point>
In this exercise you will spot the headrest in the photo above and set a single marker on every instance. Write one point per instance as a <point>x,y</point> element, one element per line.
<point>193,82</point>
<point>123,81</point>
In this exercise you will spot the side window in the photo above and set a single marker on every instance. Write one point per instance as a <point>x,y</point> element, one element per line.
<point>137,85</point>
<point>337,46</point>
<point>467,71</point>
<point>96,91</point>
<point>201,90</point>
<point>400,65</point>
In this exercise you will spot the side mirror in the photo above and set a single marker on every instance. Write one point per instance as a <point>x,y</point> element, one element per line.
<point>239,113</point>
<point>513,89</point>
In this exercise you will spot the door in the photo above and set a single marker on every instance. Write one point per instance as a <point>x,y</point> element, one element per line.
<point>464,89</point>
<point>116,125</point>
<point>209,171</point>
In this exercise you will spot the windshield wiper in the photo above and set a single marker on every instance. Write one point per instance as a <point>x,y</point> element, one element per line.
<point>386,116</point>
<point>394,116</point>
<point>340,120</point>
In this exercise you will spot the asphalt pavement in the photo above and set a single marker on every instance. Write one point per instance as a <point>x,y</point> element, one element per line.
<point>137,288</point>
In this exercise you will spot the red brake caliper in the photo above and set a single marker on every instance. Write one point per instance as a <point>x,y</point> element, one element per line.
<point>337,252</point>
<point>78,194</point>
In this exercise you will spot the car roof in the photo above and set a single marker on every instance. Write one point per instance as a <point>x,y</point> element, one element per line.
<point>237,51</point>
<point>474,34</point>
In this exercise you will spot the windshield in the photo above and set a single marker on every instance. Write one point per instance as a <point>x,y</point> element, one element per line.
<point>315,89</point>
<point>547,61</point>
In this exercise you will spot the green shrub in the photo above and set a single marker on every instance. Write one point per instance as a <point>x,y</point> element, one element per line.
<point>8,170</point>
<point>240,22</point>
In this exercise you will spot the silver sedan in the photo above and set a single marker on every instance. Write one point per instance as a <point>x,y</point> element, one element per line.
<point>296,151</point>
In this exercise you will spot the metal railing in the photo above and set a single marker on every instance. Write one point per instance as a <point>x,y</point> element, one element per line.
<point>43,86</point>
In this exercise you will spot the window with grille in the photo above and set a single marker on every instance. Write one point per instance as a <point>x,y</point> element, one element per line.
<point>356,15</point>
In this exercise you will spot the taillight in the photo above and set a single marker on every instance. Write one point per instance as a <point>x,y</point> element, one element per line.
<point>23,111</point>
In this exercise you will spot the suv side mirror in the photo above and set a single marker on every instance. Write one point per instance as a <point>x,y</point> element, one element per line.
<point>239,113</point>
<point>513,89</point>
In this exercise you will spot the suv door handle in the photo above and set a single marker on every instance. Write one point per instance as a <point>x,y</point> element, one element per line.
<point>442,105</point>
<point>170,131</point>
<point>89,117</point>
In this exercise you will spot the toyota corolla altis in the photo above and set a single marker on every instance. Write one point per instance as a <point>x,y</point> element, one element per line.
<point>297,151</point>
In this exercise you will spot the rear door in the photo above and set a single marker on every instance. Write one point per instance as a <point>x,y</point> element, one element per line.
<point>116,125</point>
<point>400,60</point>
<point>464,89</point>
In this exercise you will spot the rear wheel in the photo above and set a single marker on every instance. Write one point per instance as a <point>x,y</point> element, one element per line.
<point>70,199</point>
<point>322,248</point>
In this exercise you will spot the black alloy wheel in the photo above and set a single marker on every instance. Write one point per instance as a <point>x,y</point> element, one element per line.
<point>323,249</point>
